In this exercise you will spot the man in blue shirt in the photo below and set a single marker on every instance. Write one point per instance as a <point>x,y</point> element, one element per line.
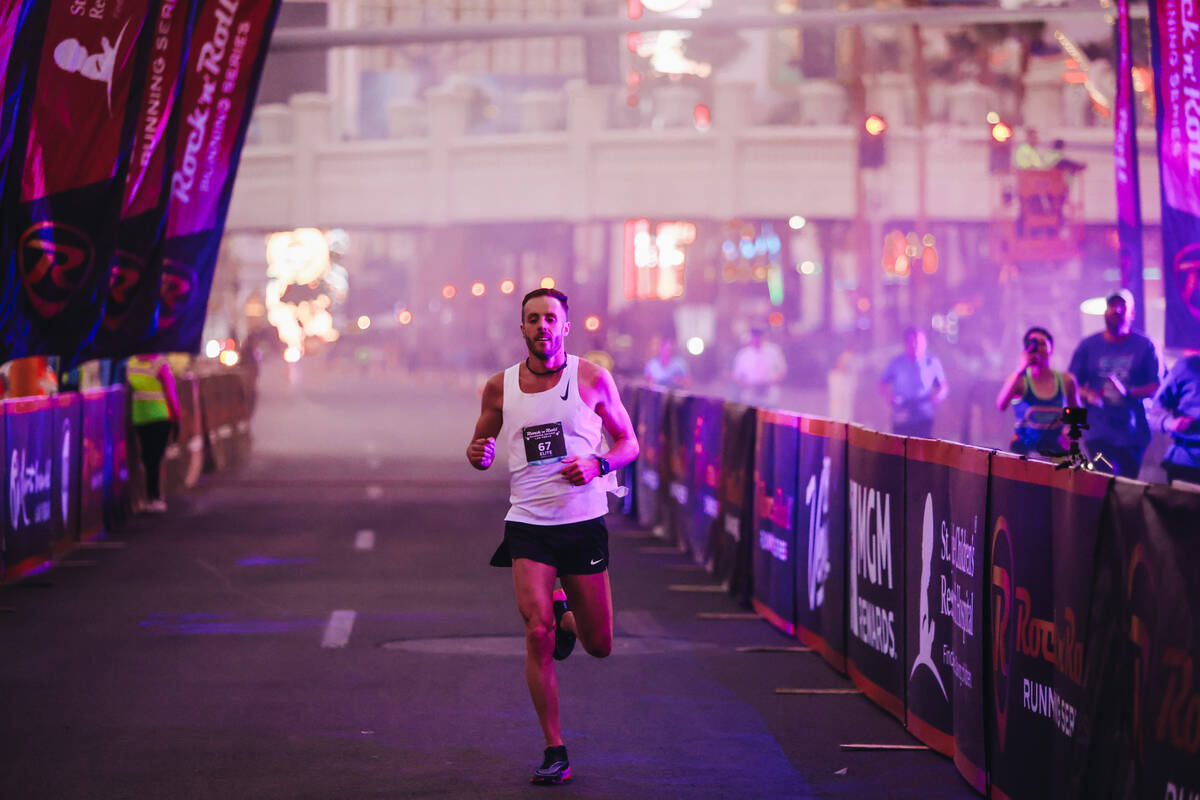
<point>1117,369</point>
<point>1176,410</point>
<point>914,384</point>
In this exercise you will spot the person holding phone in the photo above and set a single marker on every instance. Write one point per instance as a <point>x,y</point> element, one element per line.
<point>1038,395</point>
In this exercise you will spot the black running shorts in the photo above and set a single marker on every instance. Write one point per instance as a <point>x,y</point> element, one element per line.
<point>577,548</point>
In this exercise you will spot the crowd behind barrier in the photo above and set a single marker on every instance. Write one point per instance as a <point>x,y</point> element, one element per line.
<point>1039,626</point>
<point>72,468</point>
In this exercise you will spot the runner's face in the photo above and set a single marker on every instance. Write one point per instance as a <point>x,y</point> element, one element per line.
<point>543,326</point>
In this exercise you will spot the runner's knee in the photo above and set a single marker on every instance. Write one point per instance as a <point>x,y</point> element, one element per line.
<point>599,647</point>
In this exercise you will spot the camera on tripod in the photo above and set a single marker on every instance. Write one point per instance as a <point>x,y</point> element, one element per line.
<point>1076,420</point>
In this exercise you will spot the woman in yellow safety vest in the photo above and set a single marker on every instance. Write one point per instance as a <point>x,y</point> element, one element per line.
<point>155,417</point>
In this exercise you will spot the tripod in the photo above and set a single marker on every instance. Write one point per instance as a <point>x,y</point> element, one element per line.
<point>1075,457</point>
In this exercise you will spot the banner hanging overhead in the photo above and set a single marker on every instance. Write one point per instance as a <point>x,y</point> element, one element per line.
<point>1125,160</point>
<point>134,271</point>
<point>224,66</point>
<point>73,131</point>
<point>1175,40</point>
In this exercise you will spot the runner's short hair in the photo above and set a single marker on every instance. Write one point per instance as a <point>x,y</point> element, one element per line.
<point>555,293</point>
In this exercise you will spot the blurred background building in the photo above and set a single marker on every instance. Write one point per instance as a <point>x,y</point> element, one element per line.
<point>745,164</point>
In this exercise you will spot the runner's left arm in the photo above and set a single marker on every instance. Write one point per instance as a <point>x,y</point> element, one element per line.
<point>601,394</point>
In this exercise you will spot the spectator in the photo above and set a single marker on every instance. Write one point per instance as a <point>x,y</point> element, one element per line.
<point>667,369</point>
<point>155,417</point>
<point>1038,394</point>
<point>914,384</point>
<point>1116,370</point>
<point>757,369</point>
<point>1176,411</point>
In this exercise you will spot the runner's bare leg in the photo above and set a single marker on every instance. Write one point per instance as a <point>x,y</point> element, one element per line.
<point>533,583</point>
<point>591,616</point>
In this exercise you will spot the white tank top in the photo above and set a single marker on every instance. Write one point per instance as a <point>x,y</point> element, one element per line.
<point>542,429</point>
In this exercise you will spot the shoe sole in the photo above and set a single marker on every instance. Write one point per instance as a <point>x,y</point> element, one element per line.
<point>549,780</point>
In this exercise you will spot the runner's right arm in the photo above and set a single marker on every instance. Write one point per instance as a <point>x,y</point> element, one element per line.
<point>482,449</point>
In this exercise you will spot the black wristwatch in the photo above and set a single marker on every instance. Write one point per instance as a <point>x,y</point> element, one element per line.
<point>604,466</point>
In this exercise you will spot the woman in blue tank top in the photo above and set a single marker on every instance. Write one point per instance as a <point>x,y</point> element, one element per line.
<point>1038,395</point>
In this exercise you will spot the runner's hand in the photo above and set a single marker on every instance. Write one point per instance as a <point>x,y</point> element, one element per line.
<point>481,452</point>
<point>578,471</point>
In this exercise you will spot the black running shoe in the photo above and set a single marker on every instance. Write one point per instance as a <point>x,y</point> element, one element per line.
<point>555,767</point>
<point>564,640</point>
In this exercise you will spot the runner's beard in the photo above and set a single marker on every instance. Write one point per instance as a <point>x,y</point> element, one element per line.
<point>553,346</point>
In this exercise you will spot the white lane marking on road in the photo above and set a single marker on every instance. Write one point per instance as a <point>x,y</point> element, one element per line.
<point>364,540</point>
<point>374,492</point>
<point>337,630</point>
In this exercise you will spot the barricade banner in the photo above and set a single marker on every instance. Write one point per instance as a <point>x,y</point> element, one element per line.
<point>680,461</point>
<point>241,382</point>
<point>946,520</point>
<point>116,498</point>
<point>29,460</point>
<point>62,216</point>
<point>135,269</point>
<point>224,65</point>
<point>820,560</point>
<point>93,464</point>
<point>875,506</point>
<point>3,495</point>
<point>652,440</point>
<point>1041,542</point>
<point>735,524</point>
<point>1173,26</point>
<point>67,428</point>
<point>1139,724</point>
<point>776,461</point>
<point>700,525</point>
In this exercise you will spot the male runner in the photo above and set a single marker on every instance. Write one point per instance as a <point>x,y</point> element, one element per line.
<point>552,407</point>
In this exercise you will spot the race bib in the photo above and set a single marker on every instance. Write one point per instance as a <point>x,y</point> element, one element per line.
<point>544,443</point>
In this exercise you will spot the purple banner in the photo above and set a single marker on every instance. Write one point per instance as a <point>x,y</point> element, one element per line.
<point>820,560</point>
<point>776,460</point>
<point>1175,40</point>
<point>224,65</point>
<point>1125,160</point>
<point>63,223</point>
<point>875,646</point>
<point>116,496</point>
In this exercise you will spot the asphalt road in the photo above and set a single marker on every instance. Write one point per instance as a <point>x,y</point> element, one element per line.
<point>322,623</point>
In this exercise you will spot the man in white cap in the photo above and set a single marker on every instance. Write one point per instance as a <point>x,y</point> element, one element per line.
<point>1117,369</point>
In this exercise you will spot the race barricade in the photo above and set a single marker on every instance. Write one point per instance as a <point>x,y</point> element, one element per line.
<point>875,567</point>
<point>1042,536</point>
<point>648,503</point>
<point>734,526</point>
<point>28,524</point>
<point>678,467</point>
<point>67,433</point>
<point>1139,716</point>
<point>117,501</point>
<point>93,461</point>
<point>946,489</point>
<point>777,456</point>
<point>700,519</point>
<point>820,560</point>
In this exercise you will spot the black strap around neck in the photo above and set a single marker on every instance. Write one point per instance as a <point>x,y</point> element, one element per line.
<point>554,371</point>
